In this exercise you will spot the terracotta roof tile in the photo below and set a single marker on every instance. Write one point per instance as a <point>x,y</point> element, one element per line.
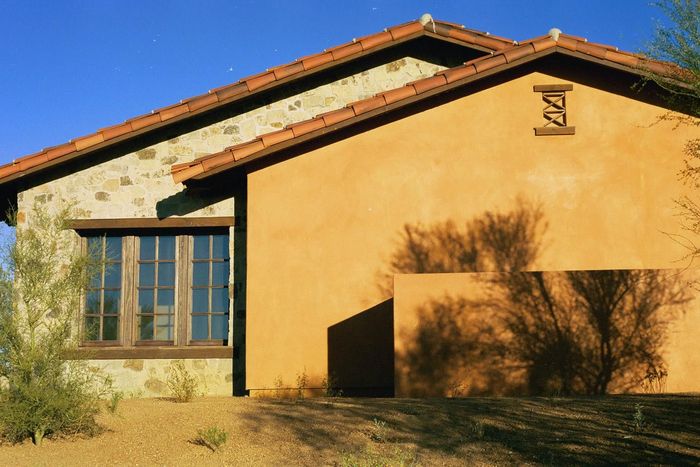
<point>173,112</point>
<point>516,53</point>
<point>317,60</point>
<point>307,126</point>
<point>346,50</point>
<point>591,49</point>
<point>491,62</point>
<point>230,91</point>
<point>567,42</point>
<point>144,121</point>
<point>335,116</point>
<point>259,81</point>
<point>374,40</point>
<point>60,151</point>
<point>87,141</point>
<point>116,130</point>
<point>276,137</point>
<point>398,94</point>
<point>459,72</point>
<point>397,32</point>
<point>246,149</point>
<point>221,158</point>
<point>29,162</point>
<point>366,105</point>
<point>543,44</point>
<point>623,59</point>
<point>427,84</point>
<point>202,101</point>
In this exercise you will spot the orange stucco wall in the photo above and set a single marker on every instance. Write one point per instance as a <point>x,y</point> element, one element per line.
<point>416,293</point>
<point>322,226</point>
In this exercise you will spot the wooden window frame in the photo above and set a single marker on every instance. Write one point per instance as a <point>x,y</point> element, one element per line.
<point>555,111</point>
<point>182,346</point>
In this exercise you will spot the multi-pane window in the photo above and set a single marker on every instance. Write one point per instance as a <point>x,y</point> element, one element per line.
<point>210,296</point>
<point>159,290</point>
<point>156,288</point>
<point>103,295</point>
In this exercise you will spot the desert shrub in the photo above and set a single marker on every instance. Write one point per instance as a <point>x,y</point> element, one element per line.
<point>182,384</point>
<point>378,431</point>
<point>114,400</point>
<point>44,390</point>
<point>330,386</point>
<point>212,437</point>
<point>639,421</point>
<point>302,382</point>
<point>280,391</point>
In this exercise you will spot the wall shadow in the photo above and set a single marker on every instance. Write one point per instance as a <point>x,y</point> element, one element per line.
<point>361,352</point>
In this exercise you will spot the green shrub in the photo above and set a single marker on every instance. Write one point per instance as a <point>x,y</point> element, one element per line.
<point>212,437</point>
<point>44,389</point>
<point>114,401</point>
<point>330,386</point>
<point>183,385</point>
<point>638,419</point>
<point>302,382</point>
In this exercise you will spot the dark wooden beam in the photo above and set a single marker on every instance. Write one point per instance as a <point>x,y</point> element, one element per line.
<point>150,223</point>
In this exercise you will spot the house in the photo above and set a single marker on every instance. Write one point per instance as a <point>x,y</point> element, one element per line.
<point>250,230</point>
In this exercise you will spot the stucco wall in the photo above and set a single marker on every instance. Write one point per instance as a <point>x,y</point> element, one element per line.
<point>322,226</point>
<point>417,295</point>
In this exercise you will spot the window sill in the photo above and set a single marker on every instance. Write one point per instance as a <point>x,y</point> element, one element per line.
<point>153,352</point>
<point>551,131</point>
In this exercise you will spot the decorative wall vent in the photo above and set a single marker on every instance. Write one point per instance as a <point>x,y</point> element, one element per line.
<point>554,112</point>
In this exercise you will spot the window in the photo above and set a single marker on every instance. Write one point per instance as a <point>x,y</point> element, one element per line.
<point>103,295</point>
<point>554,112</point>
<point>210,277</point>
<point>159,289</point>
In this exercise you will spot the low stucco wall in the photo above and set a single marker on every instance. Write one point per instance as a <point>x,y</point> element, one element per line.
<point>148,377</point>
<point>416,293</point>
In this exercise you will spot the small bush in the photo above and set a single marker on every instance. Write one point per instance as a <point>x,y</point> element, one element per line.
<point>330,386</point>
<point>114,401</point>
<point>280,391</point>
<point>476,430</point>
<point>378,431</point>
<point>302,382</point>
<point>212,437</point>
<point>638,419</point>
<point>182,384</point>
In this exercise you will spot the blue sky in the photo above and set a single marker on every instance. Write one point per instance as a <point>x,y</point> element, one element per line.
<point>70,67</point>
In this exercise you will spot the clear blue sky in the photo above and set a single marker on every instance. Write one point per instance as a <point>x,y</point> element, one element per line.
<point>70,67</point>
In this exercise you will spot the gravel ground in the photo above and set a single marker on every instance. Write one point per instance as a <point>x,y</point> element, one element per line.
<point>345,431</point>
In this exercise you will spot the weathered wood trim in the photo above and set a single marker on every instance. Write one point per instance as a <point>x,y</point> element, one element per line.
<point>118,353</point>
<point>150,223</point>
<point>555,130</point>
<point>552,87</point>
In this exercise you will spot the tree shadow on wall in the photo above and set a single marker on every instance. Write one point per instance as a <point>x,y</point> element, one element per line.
<point>528,333</point>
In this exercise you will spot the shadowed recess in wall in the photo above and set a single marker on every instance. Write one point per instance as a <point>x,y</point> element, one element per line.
<point>528,333</point>
<point>361,352</point>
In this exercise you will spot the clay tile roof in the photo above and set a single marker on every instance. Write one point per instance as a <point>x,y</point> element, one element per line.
<point>244,87</point>
<point>387,100</point>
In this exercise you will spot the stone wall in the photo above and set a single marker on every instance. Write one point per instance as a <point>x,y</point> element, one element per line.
<point>148,378</point>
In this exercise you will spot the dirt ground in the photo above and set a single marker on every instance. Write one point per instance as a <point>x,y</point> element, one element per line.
<point>344,431</point>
